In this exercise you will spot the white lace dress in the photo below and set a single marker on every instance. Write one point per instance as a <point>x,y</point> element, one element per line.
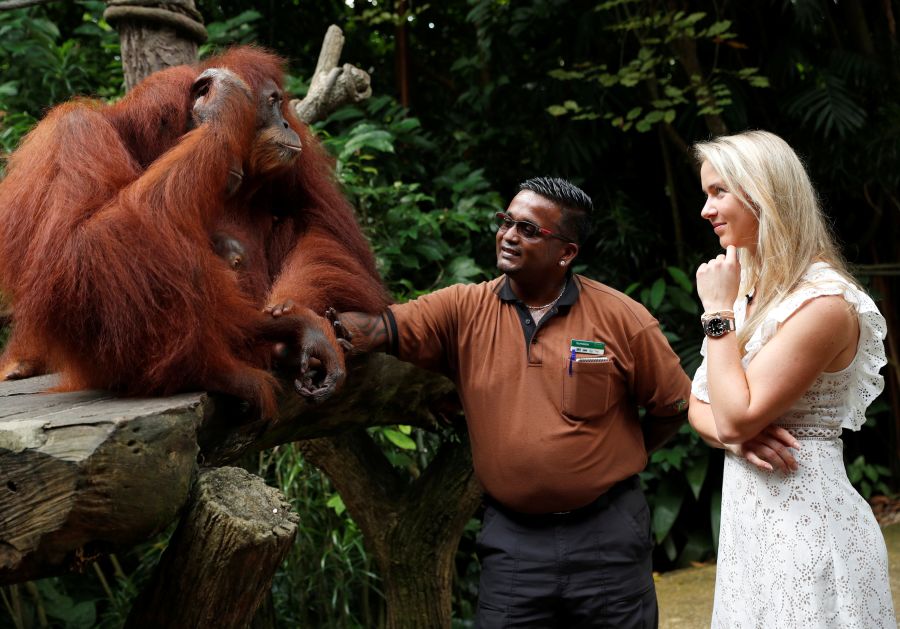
<point>803,550</point>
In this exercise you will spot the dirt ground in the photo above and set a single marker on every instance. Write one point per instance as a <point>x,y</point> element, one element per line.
<point>686,596</point>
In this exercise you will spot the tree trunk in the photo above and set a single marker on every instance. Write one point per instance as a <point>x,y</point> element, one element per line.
<point>672,193</point>
<point>854,18</point>
<point>401,53</point>
<point>155,35</point>
<point>221,559</point>
<point>685,50</point>
<point>412,530</point>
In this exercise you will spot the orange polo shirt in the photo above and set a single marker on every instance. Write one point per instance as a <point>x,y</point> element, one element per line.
<point>545,438</point>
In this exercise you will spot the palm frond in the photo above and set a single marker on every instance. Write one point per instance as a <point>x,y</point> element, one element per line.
<point>827,104</point>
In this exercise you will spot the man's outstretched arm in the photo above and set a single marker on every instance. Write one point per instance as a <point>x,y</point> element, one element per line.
<point>360,332</point>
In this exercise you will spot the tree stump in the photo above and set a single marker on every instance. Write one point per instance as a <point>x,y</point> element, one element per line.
<point>221,559</point>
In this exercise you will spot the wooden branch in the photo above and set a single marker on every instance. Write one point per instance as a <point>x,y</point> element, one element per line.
<point>332,86</point>
<point>9,5</point>
<point>221,559</point>
<point>329,55</point>
<point>380,391</point>
<point>181,15</point>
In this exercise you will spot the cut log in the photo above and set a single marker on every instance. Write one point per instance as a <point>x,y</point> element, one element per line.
<point>85,472</point>
<point>221,559</point>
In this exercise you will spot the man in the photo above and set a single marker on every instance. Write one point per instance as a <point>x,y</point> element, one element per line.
<point>551,368</point>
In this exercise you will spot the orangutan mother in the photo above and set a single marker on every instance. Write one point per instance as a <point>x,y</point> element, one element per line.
<point>114,222</point>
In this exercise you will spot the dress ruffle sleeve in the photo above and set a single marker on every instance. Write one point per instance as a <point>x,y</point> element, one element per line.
<point>866,382</point>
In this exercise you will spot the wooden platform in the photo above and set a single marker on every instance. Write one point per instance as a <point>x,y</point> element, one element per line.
<point>87,471</point>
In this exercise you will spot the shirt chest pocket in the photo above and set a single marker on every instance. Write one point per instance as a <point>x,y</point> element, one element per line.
<point>589,389</point>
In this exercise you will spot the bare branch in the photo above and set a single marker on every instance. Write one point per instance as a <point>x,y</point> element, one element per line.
<point>9,5</point>
<point>332,86</point>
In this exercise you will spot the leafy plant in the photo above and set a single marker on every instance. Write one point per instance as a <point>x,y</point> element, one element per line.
<point>41,67</point>
<point>240,29</point>
<point>682,480</point>
<point>662,39</point>
<point>827,104</point>
<point>99,599</point>
<point>422,240</point>
<point>868,478</point>
<point>326,579</point>
<point>828,97</point>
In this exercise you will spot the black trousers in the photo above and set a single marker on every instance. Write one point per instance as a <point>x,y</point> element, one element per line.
<point>587,568</point>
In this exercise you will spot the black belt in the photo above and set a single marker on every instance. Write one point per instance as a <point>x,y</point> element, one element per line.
<point>598,504</point>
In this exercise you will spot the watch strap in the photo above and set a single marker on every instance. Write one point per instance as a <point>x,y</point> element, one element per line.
<point>717,326</point>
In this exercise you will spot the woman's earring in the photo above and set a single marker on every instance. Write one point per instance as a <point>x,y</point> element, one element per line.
<point>562,263</point>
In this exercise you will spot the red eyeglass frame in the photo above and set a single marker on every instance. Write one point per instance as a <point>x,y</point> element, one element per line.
<point>506,218</point>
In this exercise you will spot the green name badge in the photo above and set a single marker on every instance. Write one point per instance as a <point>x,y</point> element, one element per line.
<point>588,347</point>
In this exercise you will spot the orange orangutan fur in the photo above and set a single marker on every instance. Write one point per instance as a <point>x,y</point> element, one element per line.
<point>108,216</point>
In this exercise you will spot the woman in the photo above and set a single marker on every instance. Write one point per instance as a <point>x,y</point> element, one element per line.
<point>791,358</point>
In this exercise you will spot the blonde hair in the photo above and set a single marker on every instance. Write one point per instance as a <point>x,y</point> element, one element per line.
<point>765,173</point>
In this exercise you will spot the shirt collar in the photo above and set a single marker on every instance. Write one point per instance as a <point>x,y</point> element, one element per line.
<point>568,297</point>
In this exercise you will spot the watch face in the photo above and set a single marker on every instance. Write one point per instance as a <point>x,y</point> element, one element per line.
<point>716,327</point>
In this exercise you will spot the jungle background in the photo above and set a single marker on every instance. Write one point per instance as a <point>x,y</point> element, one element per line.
<point>470,98</point>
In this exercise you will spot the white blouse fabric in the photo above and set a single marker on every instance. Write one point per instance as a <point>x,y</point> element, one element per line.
<point>803,549</point>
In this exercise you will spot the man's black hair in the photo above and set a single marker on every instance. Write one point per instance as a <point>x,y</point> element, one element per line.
<point>576,206</point>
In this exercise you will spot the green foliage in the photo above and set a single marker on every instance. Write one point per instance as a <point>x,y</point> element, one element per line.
<point>681,479</point>
<point>682,483</point>
<point>422,240</point>
<point>668,294</point>
<point>828,105</point>
<point>660,42</point>
<point>99,599</point>
<point>41,66</point>
<point>868,478</point>
<point>326,579</point>
<point>376,14</point>
<point>40,602</point>
<point>240,29</point>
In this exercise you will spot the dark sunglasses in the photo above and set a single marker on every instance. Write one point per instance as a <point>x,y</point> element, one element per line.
<point>526,229</point>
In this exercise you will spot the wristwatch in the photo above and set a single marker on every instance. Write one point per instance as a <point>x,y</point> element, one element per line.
<point>716,324</point>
